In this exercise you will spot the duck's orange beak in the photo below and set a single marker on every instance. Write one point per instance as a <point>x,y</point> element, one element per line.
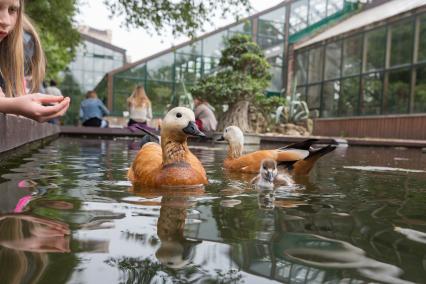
<point>192,129</point>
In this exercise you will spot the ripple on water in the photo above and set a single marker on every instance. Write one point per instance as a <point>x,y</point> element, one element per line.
<point>326,253</point>
<point>382,169</point>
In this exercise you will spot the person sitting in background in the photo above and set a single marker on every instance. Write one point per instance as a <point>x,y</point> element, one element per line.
<point>92,111</point>
<point>204,115</point>
<point>53,89</point>
<point>140,112</point>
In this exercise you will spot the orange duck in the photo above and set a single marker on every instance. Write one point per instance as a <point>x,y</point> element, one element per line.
<point>297,157</point>
<point>171,164</point>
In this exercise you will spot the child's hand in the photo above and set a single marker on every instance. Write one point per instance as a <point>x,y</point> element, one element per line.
<point>35,106</point>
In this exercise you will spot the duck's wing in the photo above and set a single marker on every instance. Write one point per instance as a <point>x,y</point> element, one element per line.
<point>147,162</point>
<point>303,167</point>
<point>304,145</point>
<point>290,155</point>
<point>249,163</point>
<point>196,165</point>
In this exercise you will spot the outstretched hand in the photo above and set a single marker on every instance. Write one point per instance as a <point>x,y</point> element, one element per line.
<point>43,235</point>
<point>38,107</point>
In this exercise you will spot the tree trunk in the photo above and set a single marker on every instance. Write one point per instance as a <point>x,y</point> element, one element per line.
<point>238,115</point>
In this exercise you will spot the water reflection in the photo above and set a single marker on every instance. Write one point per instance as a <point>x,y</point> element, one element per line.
<point>175,251</point>
<point>339,225</point>
<point>24,243</point>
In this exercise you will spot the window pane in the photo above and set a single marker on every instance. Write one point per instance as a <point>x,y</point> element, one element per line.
<point>422,43</point>
<point>243,28</point>
<point>301,64</point>
<point>349,97</point>
<point>376,49</point>
<point>333,53</point>
<point>317,10</point>
<point>160,94</point>
<point>398,92</point>
<point>193,48</point>
<point>334,6</point>
<point>298,16</point>
<point>314,98</point>
<point>277,80</point>
<point>331,95</point>
<point>161,67</point>
<point>372,94</point>
<point>420,92</point>
<point>352,48</point>
<point>315,64</point>
<point>402,43</point>
<point>213,44</point>
<point>301,94</point>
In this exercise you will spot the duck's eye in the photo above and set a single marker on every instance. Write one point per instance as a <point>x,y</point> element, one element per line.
<point>226,130</point>
<point>178,115</point>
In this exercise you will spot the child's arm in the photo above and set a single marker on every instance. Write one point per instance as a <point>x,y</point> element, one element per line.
<point>31,106</point>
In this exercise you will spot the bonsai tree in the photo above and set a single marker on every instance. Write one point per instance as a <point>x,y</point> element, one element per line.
<point>240,82</point>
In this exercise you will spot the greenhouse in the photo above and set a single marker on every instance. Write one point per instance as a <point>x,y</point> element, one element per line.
<point>168,75</point>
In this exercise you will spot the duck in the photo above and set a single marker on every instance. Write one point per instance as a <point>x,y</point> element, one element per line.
<point>298,158</point>
<point>170,163</point>
<point>269,177</point>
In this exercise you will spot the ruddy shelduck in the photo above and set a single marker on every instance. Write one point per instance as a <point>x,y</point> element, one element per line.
<point>171,164</point>
<point>297,157</point>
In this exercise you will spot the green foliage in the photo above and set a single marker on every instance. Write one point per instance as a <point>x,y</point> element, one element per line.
<point>183,17</point>
<point>268,105</point>
<point>54,21</point>
<point>244,75</point>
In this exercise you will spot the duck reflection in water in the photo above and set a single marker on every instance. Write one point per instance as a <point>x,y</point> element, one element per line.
<point>25,241</point>
<point>176,251</point>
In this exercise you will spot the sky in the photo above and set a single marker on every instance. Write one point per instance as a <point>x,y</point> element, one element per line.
<point>137,42</point>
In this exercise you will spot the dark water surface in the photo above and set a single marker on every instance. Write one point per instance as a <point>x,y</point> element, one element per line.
<point>68,215</point>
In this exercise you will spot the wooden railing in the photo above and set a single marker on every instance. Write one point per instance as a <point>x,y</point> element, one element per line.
<point>396,126</point>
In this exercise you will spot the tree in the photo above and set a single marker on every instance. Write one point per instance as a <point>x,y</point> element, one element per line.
<point>241,81</point>
<point>183,17</point>
<point>54,21</point>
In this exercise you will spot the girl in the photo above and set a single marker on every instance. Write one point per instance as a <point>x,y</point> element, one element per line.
<point>139,108</point>
<point>12,72</point>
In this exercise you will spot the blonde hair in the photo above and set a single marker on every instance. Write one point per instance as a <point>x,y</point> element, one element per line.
<point>37,61</point>
<point>139,97</point>
<point>12,58</point>
<point>21,265</point>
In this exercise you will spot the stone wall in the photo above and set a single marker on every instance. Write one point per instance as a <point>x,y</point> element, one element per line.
<point>18,131</point>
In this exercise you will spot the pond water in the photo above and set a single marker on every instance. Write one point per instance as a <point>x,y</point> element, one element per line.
<point>69,215</point>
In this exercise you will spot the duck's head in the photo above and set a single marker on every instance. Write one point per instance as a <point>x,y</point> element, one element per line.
<point>233,135</point>
<point>179,122</point>
<point>268,170</point>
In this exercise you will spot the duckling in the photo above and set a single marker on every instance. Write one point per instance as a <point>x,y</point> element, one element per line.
<point>171,164</point>
<point>269,176</point>
<point>297,157</point>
